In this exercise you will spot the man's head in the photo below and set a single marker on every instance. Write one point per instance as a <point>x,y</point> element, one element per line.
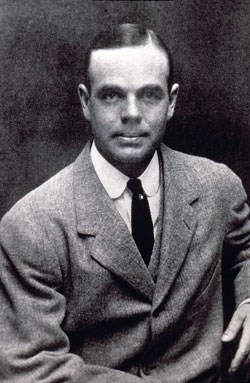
<point>128,95</point>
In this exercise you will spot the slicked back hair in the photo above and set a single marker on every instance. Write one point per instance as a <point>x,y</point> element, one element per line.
<point>126,35</point>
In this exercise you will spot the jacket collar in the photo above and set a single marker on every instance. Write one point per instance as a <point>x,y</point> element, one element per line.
<point>112,244</point>
<point>179,219</point>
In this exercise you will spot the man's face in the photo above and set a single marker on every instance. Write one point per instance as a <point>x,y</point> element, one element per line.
<point>129,103</point>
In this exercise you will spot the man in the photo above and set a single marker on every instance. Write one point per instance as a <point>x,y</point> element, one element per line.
<point>83,299</point>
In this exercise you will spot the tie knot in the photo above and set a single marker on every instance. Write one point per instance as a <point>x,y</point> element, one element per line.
<point>134,184</point>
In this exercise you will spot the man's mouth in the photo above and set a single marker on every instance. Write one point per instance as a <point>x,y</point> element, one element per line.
<point>130,138</point>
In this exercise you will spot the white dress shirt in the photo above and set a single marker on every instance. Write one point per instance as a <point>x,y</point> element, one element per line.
<point>115,184</point>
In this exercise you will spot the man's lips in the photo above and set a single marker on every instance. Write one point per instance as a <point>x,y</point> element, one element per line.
<point>131,135</point>
<point>130,138</point>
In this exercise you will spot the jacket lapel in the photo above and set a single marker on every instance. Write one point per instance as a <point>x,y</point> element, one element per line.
<point>178,223</point>
<point>113,246</point>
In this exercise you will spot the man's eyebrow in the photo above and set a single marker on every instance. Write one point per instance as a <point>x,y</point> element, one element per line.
<point>154,87</point>
<point>109,88</point>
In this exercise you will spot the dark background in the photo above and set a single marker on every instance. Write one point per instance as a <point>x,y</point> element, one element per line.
<point>42,45</point>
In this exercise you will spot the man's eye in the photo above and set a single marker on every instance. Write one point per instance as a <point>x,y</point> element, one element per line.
<point>151,95</point>
<point>111,97</point>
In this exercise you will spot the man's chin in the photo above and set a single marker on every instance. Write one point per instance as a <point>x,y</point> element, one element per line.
<point>133,158</point>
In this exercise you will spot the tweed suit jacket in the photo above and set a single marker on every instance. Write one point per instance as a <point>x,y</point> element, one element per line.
<point>78,304</point>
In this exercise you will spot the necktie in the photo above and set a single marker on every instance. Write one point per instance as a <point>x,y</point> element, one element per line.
<point>142,227</point>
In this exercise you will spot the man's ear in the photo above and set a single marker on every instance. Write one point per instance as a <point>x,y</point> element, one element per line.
<point>84,99</point>
<point>172,100</point>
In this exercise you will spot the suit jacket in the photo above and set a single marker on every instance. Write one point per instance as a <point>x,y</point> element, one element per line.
<point>78,304</point>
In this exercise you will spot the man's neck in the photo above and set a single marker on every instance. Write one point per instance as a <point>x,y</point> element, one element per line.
<point>130,169</point>
<point>114,181</point>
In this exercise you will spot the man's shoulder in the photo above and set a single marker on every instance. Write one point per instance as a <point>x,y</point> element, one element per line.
<point>49,196</point>
<point>52,197</point>
<point>181,159</point>
<point>200,170</point>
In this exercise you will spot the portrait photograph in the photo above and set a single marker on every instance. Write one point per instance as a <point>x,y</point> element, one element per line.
<point>124,191</point>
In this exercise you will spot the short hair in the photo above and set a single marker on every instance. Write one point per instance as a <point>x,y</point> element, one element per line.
<point>126,35</point>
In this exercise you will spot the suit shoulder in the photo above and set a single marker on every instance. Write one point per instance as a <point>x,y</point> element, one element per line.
<point>50,196</point>
<point>203,171</point>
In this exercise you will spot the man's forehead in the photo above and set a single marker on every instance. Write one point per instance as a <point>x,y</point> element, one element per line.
<point>147,60</point>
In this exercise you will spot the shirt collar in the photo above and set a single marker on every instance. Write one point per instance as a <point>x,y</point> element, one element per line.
<point>115,182</point>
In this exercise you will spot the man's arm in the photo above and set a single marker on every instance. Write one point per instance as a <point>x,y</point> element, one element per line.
<point>34,347</point>
<point>237,258</point>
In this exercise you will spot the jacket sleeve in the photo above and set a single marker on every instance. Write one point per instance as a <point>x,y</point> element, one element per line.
<point>34,347</point>
<point>236,255</point>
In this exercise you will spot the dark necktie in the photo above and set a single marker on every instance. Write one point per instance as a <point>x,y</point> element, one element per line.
<point>142,227</point>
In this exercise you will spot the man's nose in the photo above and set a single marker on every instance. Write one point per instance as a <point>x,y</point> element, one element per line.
<point>131,111</point>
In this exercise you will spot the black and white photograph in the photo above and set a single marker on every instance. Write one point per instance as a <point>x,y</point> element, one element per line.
<point>124,191</point>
